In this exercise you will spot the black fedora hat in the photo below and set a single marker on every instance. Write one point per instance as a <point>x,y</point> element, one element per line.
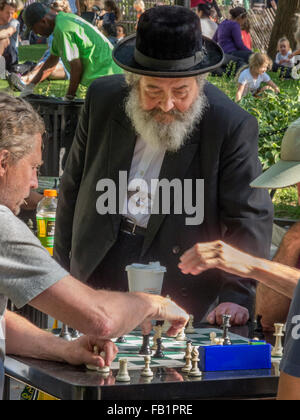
<point>168,43</point>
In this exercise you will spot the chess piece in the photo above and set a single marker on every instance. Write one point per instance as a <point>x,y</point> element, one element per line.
<point>145,349</point>
<point>94,367</point>
<point>188,357</point>
<point>147,372</point>
<point>123,375</point>
<point>121,340</point>
<point>226,325</point>
<point>159,353</point>
<point>181,336</point>
<point>190,327</point>
<point>158,334</point>
<point>195,371</point>
<point>75,334</point>
<point>64,333</point>
<point>213,337</point>
<point>104,369</point>
<point>258,329</point>
<point>219,341</point>
<point>278,349</point>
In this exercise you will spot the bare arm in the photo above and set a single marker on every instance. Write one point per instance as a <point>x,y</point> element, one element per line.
<point>271,305</point>
<point>105,314</point>
<point>7,33</point>
<point>75,76</point>
<point>289,387</point>
<point>239,93</point>
<point>46,69</point>
<point>202,257</point>
<point>40,344</point>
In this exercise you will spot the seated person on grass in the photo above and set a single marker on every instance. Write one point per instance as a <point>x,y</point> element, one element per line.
<point>59,73</point>
<point>9,32</point>
<point>85,52</point>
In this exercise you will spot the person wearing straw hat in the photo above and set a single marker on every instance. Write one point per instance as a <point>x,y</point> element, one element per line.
<point>279,279</point>
<point>163,123</point>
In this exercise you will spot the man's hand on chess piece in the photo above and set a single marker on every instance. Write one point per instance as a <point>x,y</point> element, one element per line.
<point>81,351</point>
<point>166,310</point>
<point>204,256</point>
<point>239,314</point>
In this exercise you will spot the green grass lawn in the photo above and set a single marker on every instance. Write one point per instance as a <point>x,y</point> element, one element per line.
<point>285,200</point>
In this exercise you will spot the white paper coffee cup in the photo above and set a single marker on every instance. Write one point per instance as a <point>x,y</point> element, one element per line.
<point>146,278</point>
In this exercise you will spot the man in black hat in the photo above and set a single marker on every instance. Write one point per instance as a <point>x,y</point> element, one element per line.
<point>159,163</point>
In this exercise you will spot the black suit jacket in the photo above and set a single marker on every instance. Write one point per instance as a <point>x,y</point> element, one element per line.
<point>222,150</point>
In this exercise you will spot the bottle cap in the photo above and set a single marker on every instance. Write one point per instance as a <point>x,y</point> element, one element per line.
<point>50,193</point>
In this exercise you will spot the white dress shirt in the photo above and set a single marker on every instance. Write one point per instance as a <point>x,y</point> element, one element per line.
<point>145,167</point>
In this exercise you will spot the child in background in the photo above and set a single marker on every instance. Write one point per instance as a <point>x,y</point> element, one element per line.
<point>251,77</point>
<point>283,61</point>
<point>121,32</point>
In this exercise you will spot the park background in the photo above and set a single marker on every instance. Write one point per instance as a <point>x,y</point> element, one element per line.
<point>273,112</point>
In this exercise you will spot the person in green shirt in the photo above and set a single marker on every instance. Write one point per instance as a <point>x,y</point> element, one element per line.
<point>85,52</point>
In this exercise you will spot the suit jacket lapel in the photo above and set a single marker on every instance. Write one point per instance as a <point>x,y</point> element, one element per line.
<point>175,166</point>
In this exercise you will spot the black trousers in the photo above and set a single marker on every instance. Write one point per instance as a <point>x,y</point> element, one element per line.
<point>111,274</point>
<point>1,378</point>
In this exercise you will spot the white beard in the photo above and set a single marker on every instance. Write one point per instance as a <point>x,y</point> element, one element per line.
<point>164,136</point>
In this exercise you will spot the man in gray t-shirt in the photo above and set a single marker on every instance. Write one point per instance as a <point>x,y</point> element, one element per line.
<point>29,275</point>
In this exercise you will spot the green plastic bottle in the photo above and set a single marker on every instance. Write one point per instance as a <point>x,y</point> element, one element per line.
<point>46,217</point>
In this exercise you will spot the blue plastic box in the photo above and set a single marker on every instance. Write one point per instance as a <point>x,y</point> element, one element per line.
<point>235,357</point>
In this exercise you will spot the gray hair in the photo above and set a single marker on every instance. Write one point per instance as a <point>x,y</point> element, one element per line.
<point>133,79</point>
<point>19,124</point>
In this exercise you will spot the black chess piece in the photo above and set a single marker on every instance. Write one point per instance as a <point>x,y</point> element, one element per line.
<point>226,325</point>
<point>121,340</point>
<point>145,349</point>
<point>159,354</point>
<point>258,331</point>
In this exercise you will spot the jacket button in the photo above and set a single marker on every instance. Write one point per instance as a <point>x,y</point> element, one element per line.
<point>176,250</point>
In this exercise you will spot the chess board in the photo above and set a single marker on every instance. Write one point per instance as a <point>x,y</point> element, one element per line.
<point>174,351</point>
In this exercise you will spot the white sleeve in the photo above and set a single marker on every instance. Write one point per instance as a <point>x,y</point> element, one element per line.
<point>243,78</point>
<point>277,59</point>
<point>266,78</point>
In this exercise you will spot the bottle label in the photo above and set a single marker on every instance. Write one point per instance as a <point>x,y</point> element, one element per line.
<point>46,232</point>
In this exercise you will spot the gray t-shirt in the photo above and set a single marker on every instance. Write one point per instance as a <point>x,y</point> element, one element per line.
<point>26,268</point>
<point>290,363</point>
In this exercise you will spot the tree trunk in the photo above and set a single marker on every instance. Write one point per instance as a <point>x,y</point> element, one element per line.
<point>285,24</point>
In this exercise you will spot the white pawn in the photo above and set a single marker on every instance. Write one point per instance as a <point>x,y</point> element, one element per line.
<point>123,375</point>
<point>213,337</point>
<point>181,336</point>
<point>147,372</point>
<point>104,369</point>
<point>190,327</point>
<point>195,371</point>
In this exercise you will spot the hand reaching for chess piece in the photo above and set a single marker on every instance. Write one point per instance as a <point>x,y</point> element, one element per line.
<point>166,310</point>
<point>81,351</point>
